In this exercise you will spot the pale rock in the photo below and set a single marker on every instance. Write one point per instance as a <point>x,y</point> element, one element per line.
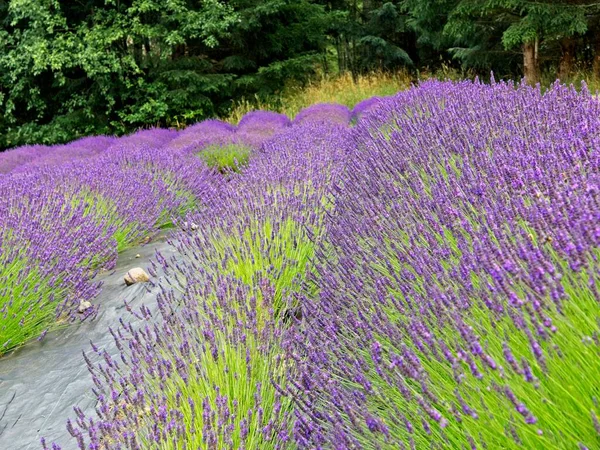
<point>137,275</point>
<point>83,306</point>
<point>189,226</point>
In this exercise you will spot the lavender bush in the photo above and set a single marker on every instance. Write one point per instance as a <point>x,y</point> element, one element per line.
<point>78,150</point>
<point>258,126</point>
<point>458,297</point>
<point>365,106</point>
<point>327,112</point>
<point>228,149</point>
<point>206,370</point>
<point>202,135</point>
<point>49,252</point>
<point>425,279</point>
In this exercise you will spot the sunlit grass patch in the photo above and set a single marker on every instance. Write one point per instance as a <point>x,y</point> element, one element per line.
<point>226,158</point>
<point>28,300</point>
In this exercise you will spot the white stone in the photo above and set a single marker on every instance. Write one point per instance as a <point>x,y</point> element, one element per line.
<point>83,306</point>
<point>137,275</point>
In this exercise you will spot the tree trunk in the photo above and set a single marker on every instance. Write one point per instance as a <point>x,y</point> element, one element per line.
<point>352,58</point>
<point>178,51</point>
<point>531,70</point>
<point>596,64</point>
<point>567,58</point>
<point>340,55</point>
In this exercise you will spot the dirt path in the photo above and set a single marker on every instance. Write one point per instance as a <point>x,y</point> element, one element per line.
<point>41,382</point>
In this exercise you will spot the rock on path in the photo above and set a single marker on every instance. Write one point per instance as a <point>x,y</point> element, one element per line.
<point>136,275</point>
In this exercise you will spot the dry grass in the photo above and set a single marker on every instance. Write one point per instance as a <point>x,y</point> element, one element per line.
<point>340,90</point>
<point>576,79</point>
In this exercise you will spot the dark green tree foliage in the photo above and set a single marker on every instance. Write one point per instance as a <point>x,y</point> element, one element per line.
<point>427,19</point>
<point>488,32</point>
<point>73,68</point>
<point>370,35</point>
<point>387,40</point>
<point>110,66</point>
<point>272,42</point>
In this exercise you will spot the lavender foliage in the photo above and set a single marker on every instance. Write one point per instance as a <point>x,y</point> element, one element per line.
<point>425,279</point>
<point>326,112</point>
<point>457,299</point>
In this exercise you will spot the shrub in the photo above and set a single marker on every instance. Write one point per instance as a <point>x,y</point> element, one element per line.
<point>326,112</point>
<point>457,285</point>
<point>205,371</point>
<point>226,158</point>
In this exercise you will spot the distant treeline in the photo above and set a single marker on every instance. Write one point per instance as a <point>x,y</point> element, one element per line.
<point>71,68</point>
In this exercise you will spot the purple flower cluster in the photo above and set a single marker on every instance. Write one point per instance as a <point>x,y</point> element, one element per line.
<point>458,287</point>
<point>205,371</point>
<point>27,158</point>
<point>203,134</point>
<point>326,112</point>
<point>49,252</point>
<point>254,128</point>
<point>258,126</point>
<point>365,106</point>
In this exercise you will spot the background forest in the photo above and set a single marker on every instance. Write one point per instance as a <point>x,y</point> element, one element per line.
<point>74,68</point>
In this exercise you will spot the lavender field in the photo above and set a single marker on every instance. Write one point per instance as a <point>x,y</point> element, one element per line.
<point>420,272</point>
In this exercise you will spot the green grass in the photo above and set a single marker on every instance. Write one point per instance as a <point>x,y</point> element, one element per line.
<point>226,158</point>
<point>27,303</point>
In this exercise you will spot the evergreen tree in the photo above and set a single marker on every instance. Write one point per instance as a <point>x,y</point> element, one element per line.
<point>482,26</point>
<point>370,35</point>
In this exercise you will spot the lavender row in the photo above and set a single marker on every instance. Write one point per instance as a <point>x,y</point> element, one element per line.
<point>67,210</point>
<point>204,372</point>
<point>62,223</point>
<point>458,296</point>
<point>253,129</point>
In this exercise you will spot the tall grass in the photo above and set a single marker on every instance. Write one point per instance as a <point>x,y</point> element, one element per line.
<point>226,158</point>
<point>343,90</point>
<point>339,89</point>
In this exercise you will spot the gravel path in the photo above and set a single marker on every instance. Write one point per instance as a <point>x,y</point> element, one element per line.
<point>41,382</point>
